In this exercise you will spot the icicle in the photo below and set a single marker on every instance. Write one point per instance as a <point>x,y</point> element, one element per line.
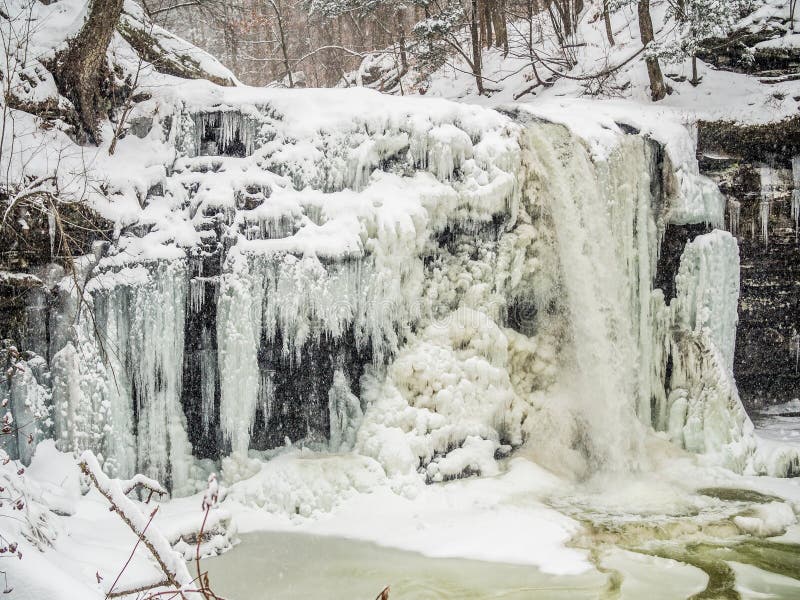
<point>51,228</point>
<point>767,194</point>
<point>137,360</point>
<point>197,294</point>
<point>266,395</point>
<point>734,213</point>
<point>208,380</point>
<point>764,211</point>
<point>796,195</point>
<point>345,413</point>
<point>796,344</point>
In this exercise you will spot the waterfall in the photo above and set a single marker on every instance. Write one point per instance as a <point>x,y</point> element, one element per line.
<point>607,244</point>
<point>426,292</point>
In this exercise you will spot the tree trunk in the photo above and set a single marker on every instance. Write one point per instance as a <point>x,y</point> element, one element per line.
<point>658,90</point>
<point>695,78</point>
<point>284,43</point>
<point>500,29</point>
<point>607,19</point>
<point>401,40</point>
<point>486,21</point>
<point>474,31</point>
<point>681,6</point>
<point>81,68</point>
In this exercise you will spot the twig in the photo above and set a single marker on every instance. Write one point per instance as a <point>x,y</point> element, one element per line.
<point>110,593</point>
<point>175,577</point>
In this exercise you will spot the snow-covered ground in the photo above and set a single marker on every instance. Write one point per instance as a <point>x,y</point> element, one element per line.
<point>721,95</point>
<point>524,515</point>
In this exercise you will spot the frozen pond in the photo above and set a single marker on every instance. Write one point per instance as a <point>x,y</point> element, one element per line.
<point>295,566</point>
<point>284,566</point>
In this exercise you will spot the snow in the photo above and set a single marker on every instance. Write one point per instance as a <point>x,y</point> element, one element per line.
<point>68,532</point>
<point>301,483</point>
<point>767,520</point>
<point>479,519</point>
<point>113,489</point>
<point>496,267</point>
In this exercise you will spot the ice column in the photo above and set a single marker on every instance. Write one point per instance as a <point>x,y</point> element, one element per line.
<point>345,413</point>
<point>708,290</point>
<point>767,192</point>
<point>155,353</point>
<point>734,214</point>
<point>796,194</point>
<point>239,326</point>
<point>28,399</point>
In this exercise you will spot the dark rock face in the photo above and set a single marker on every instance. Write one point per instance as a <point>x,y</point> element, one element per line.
<point>766,359</point>
<point>669,261</point>
<point>771,143</point>
<point>767,351</point>
<point>29,245</point>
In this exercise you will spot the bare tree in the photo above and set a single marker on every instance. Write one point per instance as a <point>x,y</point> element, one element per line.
<point>658,89</point>
<point>474,33</point>
<point>280,24</point>
<point>607,21</point>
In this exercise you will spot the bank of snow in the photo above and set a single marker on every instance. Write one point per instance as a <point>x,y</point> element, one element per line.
<point>499,519</point>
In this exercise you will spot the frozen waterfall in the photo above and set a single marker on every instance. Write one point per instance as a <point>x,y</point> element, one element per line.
<point>430,290</point>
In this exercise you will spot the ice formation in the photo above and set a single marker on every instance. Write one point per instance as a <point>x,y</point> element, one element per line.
<point>427,285</point>
<point>700,409</point>
<point>796,195</point>
<point>734,216</point>
<point>117,379</point>
<point>767,195</point>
